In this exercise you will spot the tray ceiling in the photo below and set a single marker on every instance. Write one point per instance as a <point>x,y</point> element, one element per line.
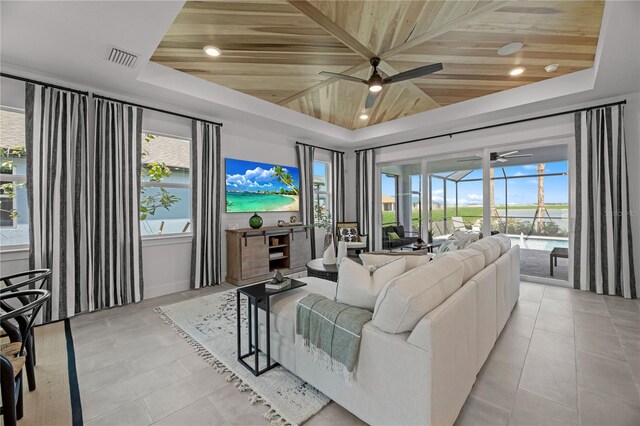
<point>274,50</point>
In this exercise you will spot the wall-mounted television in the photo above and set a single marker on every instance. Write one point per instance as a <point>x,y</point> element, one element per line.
<point>261,187</point>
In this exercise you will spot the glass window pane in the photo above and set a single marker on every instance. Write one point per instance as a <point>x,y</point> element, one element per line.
<point>173,153</point>
<point>165,210</point>
<point>14,212</point>
<point>172,220</point>
<point>320,189</point>
<point>389,199</point>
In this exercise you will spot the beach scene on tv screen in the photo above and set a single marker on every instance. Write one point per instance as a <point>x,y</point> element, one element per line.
<point>261,187</point>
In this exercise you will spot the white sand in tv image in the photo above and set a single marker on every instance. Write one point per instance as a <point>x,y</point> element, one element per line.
<point>261,187</point>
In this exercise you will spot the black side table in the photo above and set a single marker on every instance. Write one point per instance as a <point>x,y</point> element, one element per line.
<point>258,296</point>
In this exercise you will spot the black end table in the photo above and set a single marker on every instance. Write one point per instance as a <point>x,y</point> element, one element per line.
<point>315,268</point>
<point>427,246</point>
<point>258,296</point>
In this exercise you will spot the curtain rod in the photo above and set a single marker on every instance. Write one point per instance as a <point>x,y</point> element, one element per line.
<point>154,109</point>
<point>319,147</point>
<point>42,83</point>
<point>491,126</point>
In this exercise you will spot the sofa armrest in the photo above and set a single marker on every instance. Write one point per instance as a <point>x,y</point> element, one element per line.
<point>448,333</point>
<point>363,239</point>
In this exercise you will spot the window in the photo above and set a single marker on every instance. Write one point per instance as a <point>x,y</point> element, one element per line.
<point>14,211</point>
<point>320,189</point>
<point>165,196</point>
<point>389,199</point>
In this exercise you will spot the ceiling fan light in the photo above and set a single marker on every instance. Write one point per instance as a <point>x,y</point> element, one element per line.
<point>375,87</point>
<point>363,116</point>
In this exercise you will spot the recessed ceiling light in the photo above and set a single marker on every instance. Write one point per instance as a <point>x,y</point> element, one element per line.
<point>551,68</point>
<point>516,71</point>
<point>363,116</point>
<point>212,51</point>
<point>509,49</point>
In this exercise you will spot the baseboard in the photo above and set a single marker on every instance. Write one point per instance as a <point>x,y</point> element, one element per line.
<point>156,290</point>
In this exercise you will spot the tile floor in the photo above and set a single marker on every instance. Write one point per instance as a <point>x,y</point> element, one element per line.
<point>564,357</point>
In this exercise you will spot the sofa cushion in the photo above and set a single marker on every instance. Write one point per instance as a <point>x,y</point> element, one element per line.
<point>490,247</point>
<point>472,260</point>
<point>505,242</point>
<point>406,299</point>
<point>359,286</point>
<point>413,259</point>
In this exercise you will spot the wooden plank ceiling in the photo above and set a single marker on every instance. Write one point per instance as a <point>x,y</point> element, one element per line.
<point>274,50</point>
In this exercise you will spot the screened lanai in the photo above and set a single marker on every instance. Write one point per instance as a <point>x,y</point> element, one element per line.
<point>527,197</point>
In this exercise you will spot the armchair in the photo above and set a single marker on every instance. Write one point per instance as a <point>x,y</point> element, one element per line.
<point>350,232</point>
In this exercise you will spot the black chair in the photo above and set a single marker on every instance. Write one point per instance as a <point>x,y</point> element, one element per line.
<point>25,304</point>
<point>405,237</point>
<point>36,278</point>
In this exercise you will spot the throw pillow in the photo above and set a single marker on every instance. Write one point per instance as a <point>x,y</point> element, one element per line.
<point>349,235</point>
<point>405,300</point>
<point>413,260</point>
<point>393,236</point>
<point>359,286</point>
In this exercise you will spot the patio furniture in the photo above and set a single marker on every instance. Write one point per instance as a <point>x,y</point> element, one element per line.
<point>554,255</point>
<point>458,223</point>
<point>403,237</point>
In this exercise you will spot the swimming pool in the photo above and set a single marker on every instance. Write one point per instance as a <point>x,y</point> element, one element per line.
<point>539,243</point>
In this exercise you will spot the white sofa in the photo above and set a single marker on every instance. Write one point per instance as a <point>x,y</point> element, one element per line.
<point>422,376</point>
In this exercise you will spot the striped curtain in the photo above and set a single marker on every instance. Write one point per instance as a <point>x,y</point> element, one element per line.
<point>305,164</point>
<point>602,243</point>
<point>56,143</point>
<point>337,188</point>
<point>206,202</point>
<point>365,195</point>
<point>117,258</point>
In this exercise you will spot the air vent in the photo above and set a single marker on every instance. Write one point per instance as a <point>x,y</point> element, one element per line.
<point>121,57</point>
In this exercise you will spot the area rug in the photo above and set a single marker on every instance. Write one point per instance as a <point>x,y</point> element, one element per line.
<point>56,400</point>
<point>209,324</point>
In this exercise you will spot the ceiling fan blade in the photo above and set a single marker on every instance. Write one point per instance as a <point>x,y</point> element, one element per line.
<point>414,73</point>
<point>518,156</point>
<point>506,154</point>
<point>343,77</point>
<point>371,99</point>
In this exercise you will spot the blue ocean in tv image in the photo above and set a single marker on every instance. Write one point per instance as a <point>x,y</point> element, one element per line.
<point>261,187</point>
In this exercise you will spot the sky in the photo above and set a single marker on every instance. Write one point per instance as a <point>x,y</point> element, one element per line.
<point>519,191</point>
<point>250,176</point>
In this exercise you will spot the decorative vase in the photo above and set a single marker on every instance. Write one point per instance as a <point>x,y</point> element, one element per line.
<point>342,251</point>
<point>329,255</point>
<point>255,221</point>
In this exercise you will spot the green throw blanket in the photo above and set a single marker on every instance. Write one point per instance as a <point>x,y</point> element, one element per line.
<point>331,331</point>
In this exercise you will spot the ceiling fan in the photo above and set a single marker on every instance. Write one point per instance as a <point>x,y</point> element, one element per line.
<point>495,157</point>
<point>376,81</point>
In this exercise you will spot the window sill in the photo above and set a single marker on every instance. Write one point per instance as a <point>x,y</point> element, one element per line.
<point>160,240</point>
<point>14,252</point>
